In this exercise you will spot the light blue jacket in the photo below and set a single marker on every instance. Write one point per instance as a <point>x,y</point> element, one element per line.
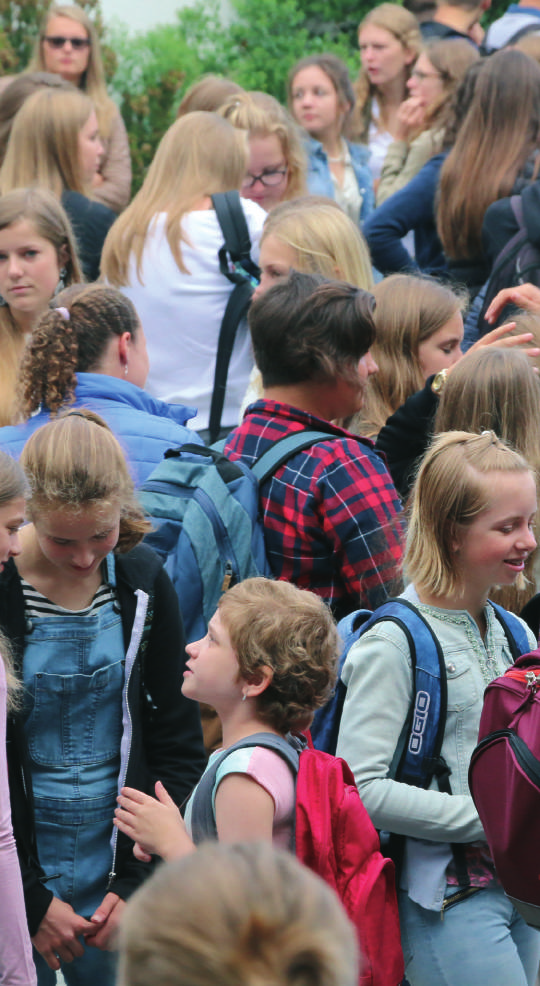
<point>378,675</point>
<point>145,426</point>
<point>319,179</point>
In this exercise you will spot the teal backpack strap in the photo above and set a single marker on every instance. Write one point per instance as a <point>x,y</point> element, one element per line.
<point>282,450</point>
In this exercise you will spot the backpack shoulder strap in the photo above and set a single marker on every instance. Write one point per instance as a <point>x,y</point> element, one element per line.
<point>232,219</point>
<point>523,31</point>
<point>243,272</point>
<point>282,450</point>
<point>516,633</point>
<point>203,823</point>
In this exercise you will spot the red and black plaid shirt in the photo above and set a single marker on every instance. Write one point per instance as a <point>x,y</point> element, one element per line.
<point>331,513</point>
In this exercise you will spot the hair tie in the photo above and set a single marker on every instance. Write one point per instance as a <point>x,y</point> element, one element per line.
<point>64,313</point>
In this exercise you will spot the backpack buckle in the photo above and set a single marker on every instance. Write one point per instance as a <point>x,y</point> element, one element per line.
<point>533,680</point>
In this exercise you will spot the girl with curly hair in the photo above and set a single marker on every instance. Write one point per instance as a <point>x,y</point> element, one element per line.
<point>267,662</point>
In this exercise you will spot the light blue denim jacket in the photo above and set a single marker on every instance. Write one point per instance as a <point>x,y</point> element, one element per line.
<point>319,179</point>
<point>379,681</point>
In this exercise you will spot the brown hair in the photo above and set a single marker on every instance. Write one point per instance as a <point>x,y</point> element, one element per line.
<point>13,486</point>
<point>307,328</point>
<point>18,91</point>
<point>292,632</point>
<point>208,94</point>
<point>43,210</point>
<point>255,916</point>
<point>498,134</point>
<point>337,72</point>
<point>59,348</point>
<point>75,461</point>
<point>451,58</point>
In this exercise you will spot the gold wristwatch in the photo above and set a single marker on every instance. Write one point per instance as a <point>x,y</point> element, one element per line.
<point>438,382</point>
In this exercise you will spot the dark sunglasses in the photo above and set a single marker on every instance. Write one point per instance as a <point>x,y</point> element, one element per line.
<point>58,42</point>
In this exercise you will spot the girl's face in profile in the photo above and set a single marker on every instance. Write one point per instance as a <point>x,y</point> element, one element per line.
<point>494,548</point>
<point>75,542</point>
<point>11,520</point>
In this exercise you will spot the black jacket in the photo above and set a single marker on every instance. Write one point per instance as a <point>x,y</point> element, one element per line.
<point>166,741</point>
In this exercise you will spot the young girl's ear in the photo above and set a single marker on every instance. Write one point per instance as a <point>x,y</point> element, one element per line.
<point>259,682</point>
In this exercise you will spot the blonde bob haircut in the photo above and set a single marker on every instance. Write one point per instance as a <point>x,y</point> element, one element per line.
<point>452,489</point>
<point>292,632</point>
<point>324,239</point>
<point>200,154</point>
<point>255,916</point>
<point>93,80</point>
<point>43,148</point>
<point>400,23</point>
<point>408,311</point>
<point>74,462</point>
<point>262,116</point>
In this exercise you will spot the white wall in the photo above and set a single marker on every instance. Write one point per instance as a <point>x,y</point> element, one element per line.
<point>139,15</point>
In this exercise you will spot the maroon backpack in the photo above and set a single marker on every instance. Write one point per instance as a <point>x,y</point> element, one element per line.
<point>504,778</point>
<point>334,836</point>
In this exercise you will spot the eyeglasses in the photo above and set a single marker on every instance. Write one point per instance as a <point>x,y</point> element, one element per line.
<point>59,42</point>
<point>267,178</point>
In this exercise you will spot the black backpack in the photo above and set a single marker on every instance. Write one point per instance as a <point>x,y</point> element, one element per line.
<point>236,265</point>
<point>517,263</point>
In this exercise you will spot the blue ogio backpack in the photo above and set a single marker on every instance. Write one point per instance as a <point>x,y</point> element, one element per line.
<point>418,757</point>
<point>205,511</point>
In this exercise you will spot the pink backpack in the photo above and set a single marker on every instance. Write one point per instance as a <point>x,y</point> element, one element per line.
<point>504,778</point>
<point>335,838</point>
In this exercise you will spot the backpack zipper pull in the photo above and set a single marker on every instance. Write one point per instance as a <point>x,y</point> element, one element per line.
<point>227,577</point>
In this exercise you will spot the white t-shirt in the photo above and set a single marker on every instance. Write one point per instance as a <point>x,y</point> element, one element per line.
<point>181,314</point>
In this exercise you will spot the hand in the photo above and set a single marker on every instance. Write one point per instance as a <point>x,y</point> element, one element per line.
<point>97,180</point>
<point>476,33</point>
<point>57,937</point>
<point>525,296</point>
<point>411,117</point>
<point>502,339</point>
<point>156,826</point>
<point>105,923</point>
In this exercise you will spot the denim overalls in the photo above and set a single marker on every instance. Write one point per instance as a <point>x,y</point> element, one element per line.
<point>74,675</point>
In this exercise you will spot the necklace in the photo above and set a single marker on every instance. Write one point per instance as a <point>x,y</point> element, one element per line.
<point>336,160</point>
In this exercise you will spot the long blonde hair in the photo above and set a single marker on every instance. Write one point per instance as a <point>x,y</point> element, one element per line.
<point>199,155</point>
<point>262,116</point>
<point>399,22</point>
<point>93,80</point>
<point>42,209</point>
<point>43,148</point>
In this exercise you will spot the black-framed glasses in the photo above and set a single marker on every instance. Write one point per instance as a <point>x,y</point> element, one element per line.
<point>57,41</point>
<point>268,178</point>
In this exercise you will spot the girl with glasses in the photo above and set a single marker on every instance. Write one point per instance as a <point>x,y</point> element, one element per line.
<point>421,118</point>
<point>68,45</point>
<point>276,169</point>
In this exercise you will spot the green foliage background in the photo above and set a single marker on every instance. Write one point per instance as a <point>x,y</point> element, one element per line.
<point>149,72</point>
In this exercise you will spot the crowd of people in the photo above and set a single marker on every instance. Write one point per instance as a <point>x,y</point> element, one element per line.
<point>372,215</point>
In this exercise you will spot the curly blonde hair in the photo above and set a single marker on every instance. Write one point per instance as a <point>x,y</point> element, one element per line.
<point>292,632</point>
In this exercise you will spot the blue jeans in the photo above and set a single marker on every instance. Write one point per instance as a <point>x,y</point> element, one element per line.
<point>481,940</point>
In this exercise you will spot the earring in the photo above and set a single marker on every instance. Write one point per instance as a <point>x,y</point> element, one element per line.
<point>126,370</point>
<point>62,281</point>
<point>244,696</point>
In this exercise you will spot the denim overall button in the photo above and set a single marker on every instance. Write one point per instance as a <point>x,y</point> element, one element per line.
<point>29,626</point>
<point>451,668</point>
